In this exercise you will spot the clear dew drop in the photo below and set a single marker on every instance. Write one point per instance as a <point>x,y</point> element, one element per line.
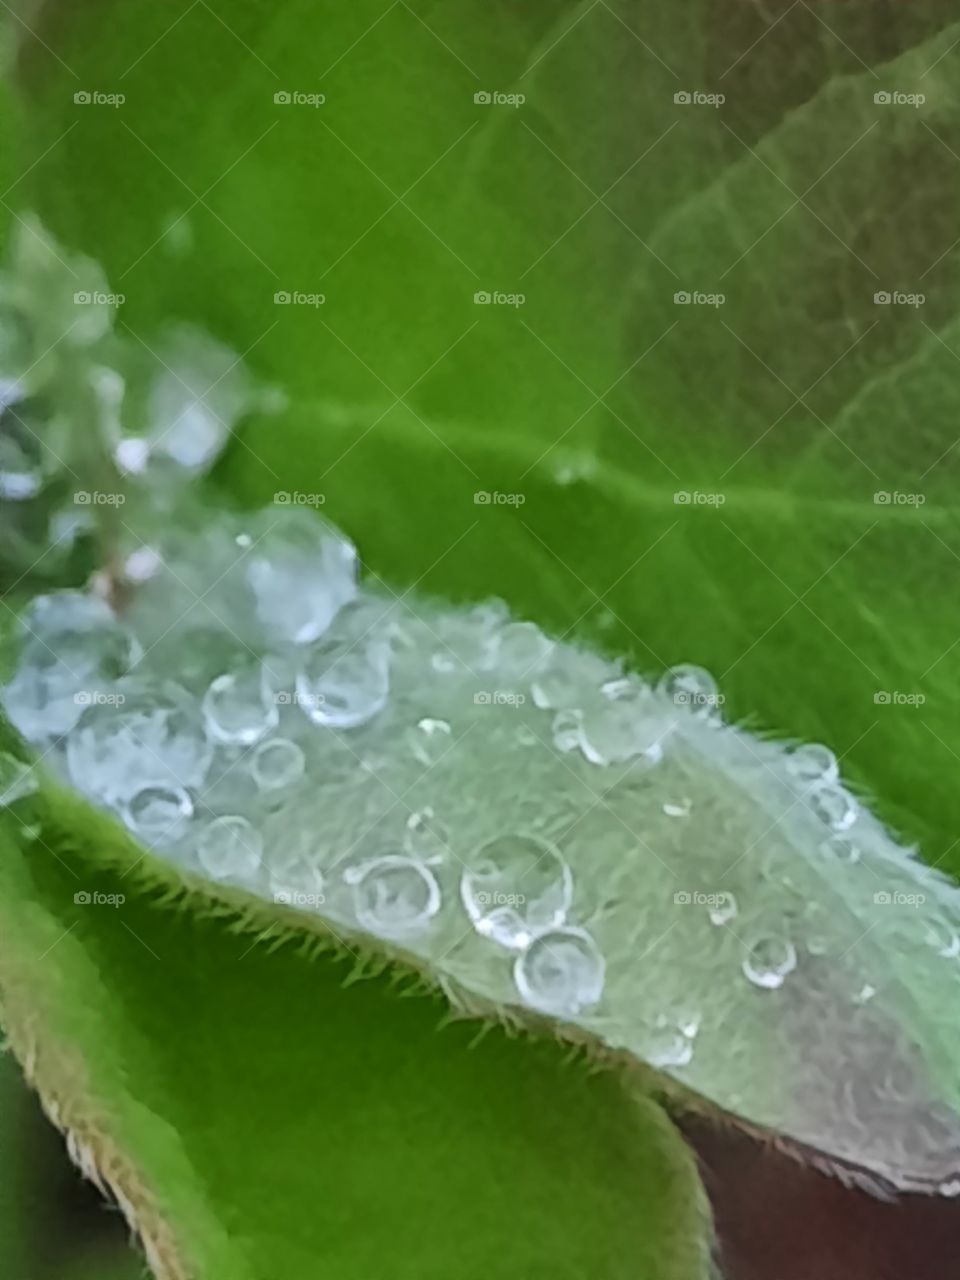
<point>521,649</point>
<point>949,1188</point>
<point>394,895</point>
<point>841,847</point>
<point>150,734</point>
<point>813,765</point>
<point>230,847</point>
<point>940,934</point>
<point>277,763</point>
<point>302,573</point>
<point>693,687</point>
<point>768,962</point>
<point>678,808</point>
<point>833,806</point>
<point>667,1044</point>
<point>430,740</point>
<point>515,887</point>
<point>565,730</point>
<point>425,837</point>
<point>561,972</point>
<point>239,709</point>
<point>724,909</point>
<point>158,813</point>
<point>341,686</point>
<point>615,730</point>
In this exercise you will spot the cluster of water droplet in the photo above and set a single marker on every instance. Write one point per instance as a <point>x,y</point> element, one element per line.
<point>532,823</point>
<point>537,825</point>
<point>86,409</point>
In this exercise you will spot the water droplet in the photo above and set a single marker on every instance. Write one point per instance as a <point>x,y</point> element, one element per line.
<point>724,909</point>
<point>940,934</point>
<point>768,962</point>
<point>566,730</point>
<point>693,687</point>
<point>842,848</point>
<point>950,1188</point>
<point>393,895</point>
<point>616,729</point>
<point>230,847</point>
<point>522,648</point>
<point>678,809</point>
<point>277,763</point>
<point>865,994</point>
<point>666,1044</point>
<point>425,837</point>
<point>343,686</point>
<point>430,740</point>
<point>239,708</point>
<point>158,813</point>
<point>834,806</point>
<point>515,887</point>
<point>813,765</point>
<point>132,454</point>
<point>20,475</point>
<point>149,734</point>
<point>302,573</point>
<point>561,972</point>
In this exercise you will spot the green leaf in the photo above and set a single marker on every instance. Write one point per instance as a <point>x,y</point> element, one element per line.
<point>598,198</point>
<point>599,401</point>
<point>258,1114</point>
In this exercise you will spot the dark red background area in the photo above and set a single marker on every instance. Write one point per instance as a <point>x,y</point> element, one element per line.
<point>779,1220</point>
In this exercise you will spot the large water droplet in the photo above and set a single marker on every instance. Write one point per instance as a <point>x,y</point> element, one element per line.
<point>515,887</point>
<point>150,734</point>
<point>769,960</point>
<point>393,895</point>
<point>561,972</point>
<point>302,573</point>
<point>239,707</point>
<point>230,848</point>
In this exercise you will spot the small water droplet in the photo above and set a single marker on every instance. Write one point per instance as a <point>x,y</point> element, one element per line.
<point>566,730</point>
<point>430,740</point>
<point>158,813</point>
<point>666,1044</point>
<point>561,972</point>
<point>522,648</point>
<point>394,895</point>
<point>690,686</point>
<point>678,809</point>
<point>812,765</point>
<point>842,848</point>
<point>949,1188</point>
<point>834,806</point>
<point>230,847</point>
<point>239,708</point>
<point>277,763</point>
<point>940,934</point>
<point>768,962</point>
<point>425,837</point>
<point>724,909</point>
